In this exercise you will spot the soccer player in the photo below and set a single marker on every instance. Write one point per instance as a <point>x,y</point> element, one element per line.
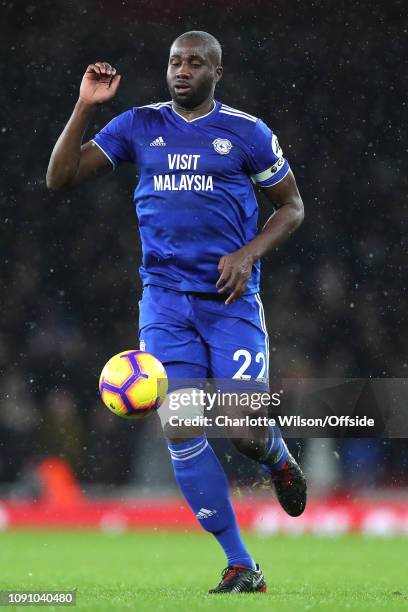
<point>200,312</point>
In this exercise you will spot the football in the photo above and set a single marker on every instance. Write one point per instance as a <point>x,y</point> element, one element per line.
<point>133,384</point>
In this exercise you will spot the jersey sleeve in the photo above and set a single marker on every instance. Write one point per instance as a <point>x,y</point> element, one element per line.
<point>265,161</point>
<point>115,139</point>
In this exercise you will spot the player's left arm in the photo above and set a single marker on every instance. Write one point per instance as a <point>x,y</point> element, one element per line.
<point>288,216</point>
<point>236,268</point>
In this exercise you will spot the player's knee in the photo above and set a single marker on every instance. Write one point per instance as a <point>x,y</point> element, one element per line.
<point>181,415</point>
<point>174,437</point>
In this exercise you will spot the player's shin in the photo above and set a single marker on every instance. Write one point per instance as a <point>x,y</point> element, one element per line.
<point>269,449</point>
<point>262,443</point>
<point>203,483</point>
<point>276,450</point>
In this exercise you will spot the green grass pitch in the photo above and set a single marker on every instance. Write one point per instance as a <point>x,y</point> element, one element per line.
<point>155,571</point>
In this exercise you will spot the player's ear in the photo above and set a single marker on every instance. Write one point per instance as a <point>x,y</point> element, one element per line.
<point>218,73</point>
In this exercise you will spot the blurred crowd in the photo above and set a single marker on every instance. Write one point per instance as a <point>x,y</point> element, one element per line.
<point>332,84</point>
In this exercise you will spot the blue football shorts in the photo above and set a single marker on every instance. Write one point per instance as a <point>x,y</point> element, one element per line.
<point>200,338</point>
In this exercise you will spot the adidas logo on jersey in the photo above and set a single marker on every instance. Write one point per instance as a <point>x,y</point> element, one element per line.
<point>158,142</point>
<point>204,513</point>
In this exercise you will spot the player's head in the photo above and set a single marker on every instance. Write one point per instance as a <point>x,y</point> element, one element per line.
<point>194,68</point>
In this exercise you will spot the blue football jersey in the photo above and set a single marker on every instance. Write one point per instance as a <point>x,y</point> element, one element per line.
<point>194,199</point>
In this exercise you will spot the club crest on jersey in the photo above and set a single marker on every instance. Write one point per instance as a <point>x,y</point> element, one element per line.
<point>222,145</point>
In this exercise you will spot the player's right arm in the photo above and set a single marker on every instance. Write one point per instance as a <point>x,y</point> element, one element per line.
<point>72,162</point>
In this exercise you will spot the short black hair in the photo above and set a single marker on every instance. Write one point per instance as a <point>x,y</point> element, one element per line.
<point>211,43</point>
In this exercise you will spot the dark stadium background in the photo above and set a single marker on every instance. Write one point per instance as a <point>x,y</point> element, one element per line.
<point>331,79</point>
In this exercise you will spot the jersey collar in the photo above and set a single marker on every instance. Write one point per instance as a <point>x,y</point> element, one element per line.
<point>211,112</point>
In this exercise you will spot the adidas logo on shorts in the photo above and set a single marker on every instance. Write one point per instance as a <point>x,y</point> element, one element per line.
<point>204,513</point>
<point>158,142</point>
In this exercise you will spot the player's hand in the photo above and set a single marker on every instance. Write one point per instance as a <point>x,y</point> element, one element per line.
<point>99,83</point>
<point>235,271</point>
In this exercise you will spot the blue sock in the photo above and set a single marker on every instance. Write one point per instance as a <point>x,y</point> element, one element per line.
<point>277,452</point>
<point>204,485</point>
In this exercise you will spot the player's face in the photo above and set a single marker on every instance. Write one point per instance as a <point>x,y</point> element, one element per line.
<point>191,74</point>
